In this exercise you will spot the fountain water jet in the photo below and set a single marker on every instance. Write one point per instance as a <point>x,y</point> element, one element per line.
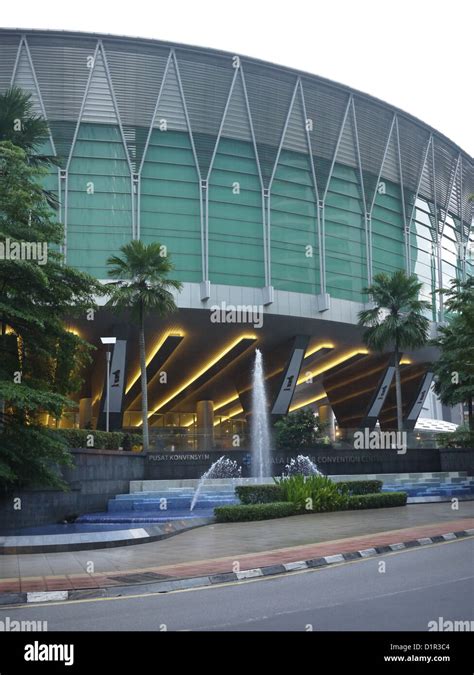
<point>260,424</point>
<point>222,468</point>
<point>303,465</point>
<point>259,442</point>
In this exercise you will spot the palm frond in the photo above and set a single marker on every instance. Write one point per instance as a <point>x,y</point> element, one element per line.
<point>141,282</point>
<point>398,318</point>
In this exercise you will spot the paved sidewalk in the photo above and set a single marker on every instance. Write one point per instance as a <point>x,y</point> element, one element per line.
<point>215,548</point>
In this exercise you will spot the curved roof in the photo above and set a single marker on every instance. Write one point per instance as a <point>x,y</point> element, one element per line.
<point>271,104</point>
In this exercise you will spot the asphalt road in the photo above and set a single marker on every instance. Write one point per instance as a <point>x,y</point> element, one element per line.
<point>418,586</point>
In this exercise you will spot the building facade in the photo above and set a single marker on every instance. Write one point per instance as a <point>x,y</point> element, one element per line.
<point>278,195</point>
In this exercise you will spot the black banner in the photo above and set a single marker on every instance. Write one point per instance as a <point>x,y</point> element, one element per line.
<point>356,652</point>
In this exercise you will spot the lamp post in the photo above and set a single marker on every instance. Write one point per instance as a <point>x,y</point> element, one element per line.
<point>107,341</point>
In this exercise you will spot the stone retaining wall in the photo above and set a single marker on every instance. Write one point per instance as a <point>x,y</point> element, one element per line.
<point>97,476</point>
<point>101,474</point>
<point>189,464</point>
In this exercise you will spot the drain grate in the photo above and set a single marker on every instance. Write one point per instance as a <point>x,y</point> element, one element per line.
<point>139,578</point>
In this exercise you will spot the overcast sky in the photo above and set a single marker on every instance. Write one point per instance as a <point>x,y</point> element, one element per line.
<point>415,54</point>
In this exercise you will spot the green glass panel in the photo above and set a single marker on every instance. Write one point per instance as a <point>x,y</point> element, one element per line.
<point>388,243</point>
<point>424,261</point>
<point>342,204</point>
<point>176,156</point>
<point>293,232</point>
<point>170,212</point>
<point>99,219</point>
<point>344,187</point>
<point>170,201</point>
<point>346,254</point>
<point>235,216</point>
<point>345,173</point>
<point>245,165</point>
<point>296,175</point>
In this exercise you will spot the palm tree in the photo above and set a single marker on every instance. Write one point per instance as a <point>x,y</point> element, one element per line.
<point>20,125</point>
<point>142,286</point>
<point>396,320</point>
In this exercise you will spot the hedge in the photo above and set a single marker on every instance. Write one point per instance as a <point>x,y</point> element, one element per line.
<point>360,487</point>
<point>103,440</point>
<point>378,500</point>
<point>245,512</point>
<point>266,494</point>
<point>259,494</point>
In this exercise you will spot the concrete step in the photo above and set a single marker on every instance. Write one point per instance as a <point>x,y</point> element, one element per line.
<point>133,517</point>
<point>225,485</point>
<point>432,491</point>
<point>173,495</point>
<point>172,504</point>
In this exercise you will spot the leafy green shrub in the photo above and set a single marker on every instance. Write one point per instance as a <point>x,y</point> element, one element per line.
<point>378,500</point>
<point>359,487</point>
<point>103,440</point>
<point>312,493</point>
<point>294,489</point>
<point>298,430</point>
<point>259,494</point>
<point>245,512</point>
<point>326,499</point>
<point>463,437</point>
<point>30,466</point>
<point>136,440</point>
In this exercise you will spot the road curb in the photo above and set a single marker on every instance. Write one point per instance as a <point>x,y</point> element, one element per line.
<point>226,577</point>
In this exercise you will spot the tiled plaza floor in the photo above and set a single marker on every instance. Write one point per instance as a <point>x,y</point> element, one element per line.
<point>215,548</point>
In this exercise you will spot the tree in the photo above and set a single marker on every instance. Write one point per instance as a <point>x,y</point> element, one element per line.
<point>454,370</point>
<point>40,360</point>
<point>142,287</point>
<point>20,125</point>
<point>297,430</point>
<point>397,320</point>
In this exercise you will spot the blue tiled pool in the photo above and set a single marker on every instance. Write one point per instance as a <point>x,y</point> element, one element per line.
<point>162,506</point>
<point>461,488</point>
<point>59,528</point>
<point>128,510</point>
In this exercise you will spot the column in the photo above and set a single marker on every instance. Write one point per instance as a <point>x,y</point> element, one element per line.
<point>326,417</point>
<point>205,425</point>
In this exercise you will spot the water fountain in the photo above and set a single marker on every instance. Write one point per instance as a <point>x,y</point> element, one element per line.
<point>260,438</point>
<point>164,503</point>
<point>222,468</point>
<point>260,425</point>
<point>303,465</point>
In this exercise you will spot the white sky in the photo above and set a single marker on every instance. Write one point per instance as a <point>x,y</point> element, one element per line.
<point>415,54</point>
